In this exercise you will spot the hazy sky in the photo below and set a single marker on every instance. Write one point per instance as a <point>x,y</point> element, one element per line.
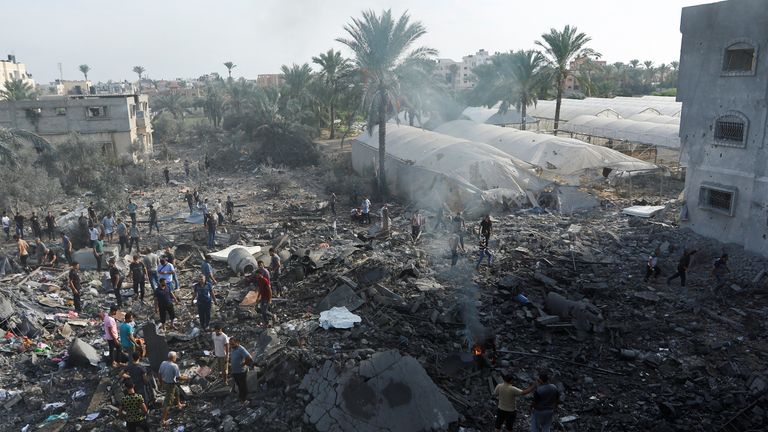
<point>192,37</point>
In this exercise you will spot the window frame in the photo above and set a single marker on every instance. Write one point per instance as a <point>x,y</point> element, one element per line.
<point>105,110</point>
<point>730,143</point>
<point>704,201</point>
<point>740,41</point>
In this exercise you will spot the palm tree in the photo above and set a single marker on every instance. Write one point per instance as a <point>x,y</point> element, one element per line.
<point>229,65</point>
<point>516,79</point>
<point>561,47</point>
<point>174,103</point>
<point>634,63</point>
<point>649,71</point>
<point>16,89</point>
<point>662,69</point>
<point>380,44</point>
<point>334,72</point>
<point>12,140</point>
<point>139,70</point>
<point>84,68</point>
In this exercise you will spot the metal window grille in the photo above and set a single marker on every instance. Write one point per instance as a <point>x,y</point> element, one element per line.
<point>716,199</point>
<point>729,129</point>
<point>739,60</point>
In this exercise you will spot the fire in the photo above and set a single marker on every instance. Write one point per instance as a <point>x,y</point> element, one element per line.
<point>477,350</point>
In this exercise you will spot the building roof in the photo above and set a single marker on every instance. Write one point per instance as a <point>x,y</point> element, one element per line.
<point>639,132</point>
<point>559,156</point>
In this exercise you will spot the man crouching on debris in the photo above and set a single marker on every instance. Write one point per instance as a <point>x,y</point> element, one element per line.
<point>239,358</point>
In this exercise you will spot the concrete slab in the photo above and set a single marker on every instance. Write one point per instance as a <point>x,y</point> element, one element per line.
<point>343,295</point>
<point>82,354</point>
<point>643,211</point>
<point>157,346</point>
<point>387,392</point>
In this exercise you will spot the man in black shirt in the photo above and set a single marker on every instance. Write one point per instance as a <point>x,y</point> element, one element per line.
<point>682,267</point>
<point>19,219</point>
<point>546,398</point>
<point>37,230</point>
<point>167,175</point>
<point>116,278</point>
<point>50,224</point>
<point>485,228</point>
<point>137,374</point>
<point>139,276</point>
<point>153,219</point>
<point>74,284</point>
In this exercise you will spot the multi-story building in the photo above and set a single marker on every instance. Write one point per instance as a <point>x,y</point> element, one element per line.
<point>11,70</point>
<point>724,90</point>
<point>269,80</point>
<point>119,123</point>
<point>459,75</point>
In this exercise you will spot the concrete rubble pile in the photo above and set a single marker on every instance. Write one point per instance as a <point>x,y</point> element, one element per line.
<point>564,293</point>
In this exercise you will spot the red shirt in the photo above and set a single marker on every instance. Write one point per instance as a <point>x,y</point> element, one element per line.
<point>265,288</point>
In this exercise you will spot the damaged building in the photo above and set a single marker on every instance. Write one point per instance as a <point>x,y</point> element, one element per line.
<point>723,129</point>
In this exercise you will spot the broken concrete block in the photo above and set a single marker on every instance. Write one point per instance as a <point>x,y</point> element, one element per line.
<point>82,354</point>
<point>387,392</point>
<point>585,315</point>
<point>548,281</point>
<point>342,295</point>
<point>157,346</point>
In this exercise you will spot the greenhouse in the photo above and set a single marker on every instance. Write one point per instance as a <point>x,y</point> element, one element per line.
<point>637,132</point>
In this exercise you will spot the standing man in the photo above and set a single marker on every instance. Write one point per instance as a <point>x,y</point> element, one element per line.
<point>137,375</point>
<point>164,299</point>
<point>719,270</point>
<point>207,270</point>
<point>440,217</point>
<point>482,253</point>
<point>682,268</point>
<point>93,234</point>
<point>50,224</point>
<point>453,244</point>
<point>275,267</point>
<point>73,281</point>
<point>211,225</point>
<point>37,230</point>
<point>91,213</point>
<point>652,265</point>
<point>139,276</point>
<point>122,235</point>
<point>171,259</point>
<point>333,203</point>
<point>19,219</point>
<point>507,408</point>
<point>265,293</point>
<point>134,409</point>
<point>166,271</point>
<point>127,341</point>
<point>189,198</point>
<point>170,376</point>
<point>153,219</point>
<point>239,358</point>
<point>186,168</point>
<point>220,351</point>
<point>134,237</point>
<point>416,223</point>
<point>108,221</point>
<point>110,335</point>
<point>151,262</point>
<point>220,211</point>
<point>546,398</point>
<point>459,227</point>
<point>6,226</point>
<point>203,293</point>
<point>66,244</point>
<point>116,279</point>
<point>132,210</point>
<point>486,225</point>
<point>98,252</point>
<point>230,208</point>
<point>204,209</point>
<point>366,206</point>
<point>167,175</point>
<point>23,247</point>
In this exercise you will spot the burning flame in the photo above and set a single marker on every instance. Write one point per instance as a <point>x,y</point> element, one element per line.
<point>477,350</point>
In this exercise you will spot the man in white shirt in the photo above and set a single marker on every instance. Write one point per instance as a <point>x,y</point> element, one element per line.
<point>221,351</point>
<point>366,210</point>
<point>7,226</point>
<point>93,233</point>
<point>166,271</point>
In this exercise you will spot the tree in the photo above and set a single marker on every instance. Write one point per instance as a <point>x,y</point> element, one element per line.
<point>175,104</point>
<point>634,63</point>
<point>381,43</point>
<point>334,73</point>
<point>139,70</point>
<point>297,95</point>
<point>561,47</point>
<point>516,79</point>
<point>16,89</point>
<point>649,72</point>
<point>229,65</point>
<point>84,68</point>
<point>12,141</point>
<point>662,69</point>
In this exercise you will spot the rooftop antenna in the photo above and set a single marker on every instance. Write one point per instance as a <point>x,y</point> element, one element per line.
<point>61,73</point>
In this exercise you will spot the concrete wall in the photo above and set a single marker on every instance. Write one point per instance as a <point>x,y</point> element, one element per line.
<point>707,92</point>
<point>58,117</point>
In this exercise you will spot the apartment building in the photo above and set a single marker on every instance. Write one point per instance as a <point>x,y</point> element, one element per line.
<point>459,75</point>
<point>11,70</point>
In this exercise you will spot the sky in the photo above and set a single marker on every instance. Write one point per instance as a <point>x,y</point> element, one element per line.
<point>180,39</point>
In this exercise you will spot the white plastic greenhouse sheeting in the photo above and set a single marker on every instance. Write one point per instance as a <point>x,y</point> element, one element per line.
<point>624,106</point>
<point>474,165</point>
<point>492,116</point>
<point>655,118</point>
<point>655,134</point>
<point>561,156</point>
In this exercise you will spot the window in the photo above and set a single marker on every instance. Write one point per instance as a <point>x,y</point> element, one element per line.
<point>96,112</point>
<point>133,111</point>
<point>60,111</point>
<point>731,130</point>
<point>717,198</point>
<point>740,58</point>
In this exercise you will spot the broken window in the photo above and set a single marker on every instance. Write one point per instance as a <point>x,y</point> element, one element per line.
<point>716,198</point>
<point>96,112</point>
<point>730,130</point>
<point>739,59</point>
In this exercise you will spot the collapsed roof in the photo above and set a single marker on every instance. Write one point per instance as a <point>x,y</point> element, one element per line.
<point>558,156</point>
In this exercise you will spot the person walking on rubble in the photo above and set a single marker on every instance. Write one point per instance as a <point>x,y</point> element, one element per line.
<point>211,225</point>
<point>73,281</point>
<point>131,207</point>
<point>170,375</point>
<point>110,334</point>
<point>6,226</point>
<point>486,226</point>
<point>366,206</point>
<point>682,268</point>
<point>122,235</point>
<point>153,219</point>
<point>652,265</point>
<point>275,268</point>
<point>93,233</point>
<point>482,253</point>
<point>167,175</point>
<point>546,398</point>
<point>453,244</point>
<point>128,342</point>
<point>133,237</point>
<point>50,225</point>
<point>229,207</point>
<point>139,276</point>
<point>19,220</point>
<point>23,248</point>
<point>190,200</point>
<point>260,278</point>
<point>239,359</point>
<point>91,213</point>
<point>719,271</point>
<point>137,374</point>
<point>164,299</point>
<point>151,262</point>
<point>440,217</point>
<point>220,351</point>
<point>186,168</point>
<point>171,259</point>
<point>507,395</point>
<point>333,203</point>
<point>66,244</point>
<point>134,409</point>
<point>220,211</point>
<point>207,270</point>
<point>37,229</point>
<point>108,222</point>
<point>203,293</point>
<point>459,227</point>
<point>167,271</point>
<point>40,251</point>
<point>98,252</point>
<point>417,221</point>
